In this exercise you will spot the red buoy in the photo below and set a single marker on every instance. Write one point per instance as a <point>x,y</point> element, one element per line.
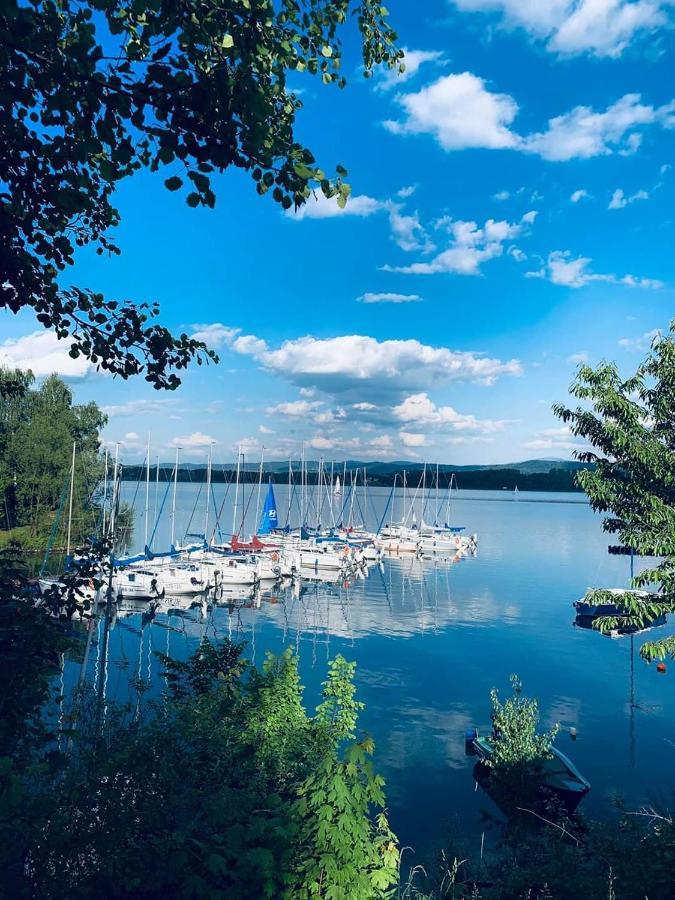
<point>660,667</point>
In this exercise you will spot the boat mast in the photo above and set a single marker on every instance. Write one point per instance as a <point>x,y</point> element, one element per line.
<point>290,485</point>
<point>332,490</point>
<point>257,502</point>
<point>236,494</point>
<point>173,502</point>
<point>70,503</point>
<point>436,515</point>
<point>105,488</point>
<point>156,490</point>
<point>208,489</point>
<point>302,486</point>
<point>147,491</point>
<point>244,506</point>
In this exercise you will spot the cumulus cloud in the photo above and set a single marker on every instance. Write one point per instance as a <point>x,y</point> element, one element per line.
<point>563,269</point>
<point>379,447</point>
<point>295,409</point>
<point>359,364</point>
<point>461,112</point>
<point>406,229</point>
<point>599,27</point>
<point>620,200</point>
<point>581,194</point>
<point>412,439</point>
<point>388,297</point>
<point>470,246</point>
<point>421,410</point>
<point>577,358</point>
<point>359,369</point>
<point>413,60</point>
<point>642,342</point>
<point>43,354</point>
<point>192,441</point>
<point>583,133</point>
<point>321,207</point>
<point>215,334</point>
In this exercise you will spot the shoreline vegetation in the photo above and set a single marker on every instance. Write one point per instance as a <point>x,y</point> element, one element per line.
<point>556,479</point>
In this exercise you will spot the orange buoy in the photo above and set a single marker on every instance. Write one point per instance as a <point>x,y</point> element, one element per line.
<point>661,667</point>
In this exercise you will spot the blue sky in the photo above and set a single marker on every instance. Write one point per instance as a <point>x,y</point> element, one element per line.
<point>511,214</point>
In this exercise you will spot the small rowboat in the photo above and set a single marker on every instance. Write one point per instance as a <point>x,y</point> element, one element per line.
<point>557,774</point>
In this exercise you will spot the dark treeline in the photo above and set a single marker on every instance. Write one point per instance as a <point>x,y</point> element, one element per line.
<point>480,479</point>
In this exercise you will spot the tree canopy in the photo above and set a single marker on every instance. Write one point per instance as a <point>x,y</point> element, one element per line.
<point>92,92</point>
<point>630,425</point>
<point>38,427</point>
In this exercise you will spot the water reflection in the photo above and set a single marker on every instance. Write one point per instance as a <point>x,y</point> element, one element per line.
<point>431,637</point>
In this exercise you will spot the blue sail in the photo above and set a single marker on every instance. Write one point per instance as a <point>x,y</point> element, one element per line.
<point>269,519</point>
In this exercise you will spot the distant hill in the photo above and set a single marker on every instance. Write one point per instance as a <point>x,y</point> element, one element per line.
<point>530,474</point>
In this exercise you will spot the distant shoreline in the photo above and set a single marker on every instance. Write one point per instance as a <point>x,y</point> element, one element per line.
<point>557,480</point>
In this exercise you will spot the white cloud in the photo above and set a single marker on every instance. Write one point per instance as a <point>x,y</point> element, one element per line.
<point>563,269</point>
<point>132,436</point>
<point>620,200</point>
<point>576,358</point>
<point>192,441</point>
<point>137,407</point>
<point>364,407</point>
<point>581,194</point>
<point>460,112</point>
<point>560,438</point>
<point>322,207</point>
<point>406,230</point>
<point>248,345</point>
<point>44,354</point>
<point>469,247</point>
<point>412,59</point>
<point>599,27</point>
<point>411,439</point>
<point>641,343</point>
<point>296,409</point>
<point>248,446</point>
<point>215,334</point>
<point>517,254</point>
<point>583,133</point>
<point>263,429</point>
<point>381,446</point>
<point>421,410</point>
<point>405,192</point>
<point>501,195</point>
<point>388,298</point>
<point>361,369</point>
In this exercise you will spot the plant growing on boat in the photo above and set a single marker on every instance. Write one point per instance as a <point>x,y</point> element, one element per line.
<point>630,424</point>
<point>517,742</point>
<point>95,91</point>
<point>635,611</point>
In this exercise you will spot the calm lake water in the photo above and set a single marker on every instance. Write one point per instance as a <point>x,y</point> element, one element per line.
<point>431,638</point>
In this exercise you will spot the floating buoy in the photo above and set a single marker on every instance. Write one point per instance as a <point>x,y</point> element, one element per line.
<point>661,667</point>
<point>573,733</point>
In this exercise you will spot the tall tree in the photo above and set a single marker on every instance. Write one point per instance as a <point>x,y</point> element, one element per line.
<point>38,428</point>
<point>630,424</point>
<point>91,92</point>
